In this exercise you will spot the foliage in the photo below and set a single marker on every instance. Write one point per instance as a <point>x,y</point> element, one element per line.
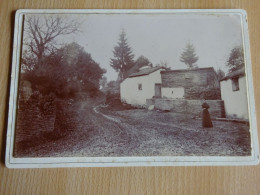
<point>103,82</point>
<point>199,93</point>
<point>113,87</point>
<point>123,57</point>
<point>141,61</point>
<point>189,57</point>
<point>236,59</point>
<point>114,102</point>
<point>67,71</point>
<point>164,64</point>
<point>220,73</point>
<point>54,71</point>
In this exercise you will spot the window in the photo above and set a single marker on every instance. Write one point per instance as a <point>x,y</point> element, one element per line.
<point>235,84</point>
<point>140,87</point>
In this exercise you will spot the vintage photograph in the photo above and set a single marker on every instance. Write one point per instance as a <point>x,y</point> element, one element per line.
<point>132,85</point>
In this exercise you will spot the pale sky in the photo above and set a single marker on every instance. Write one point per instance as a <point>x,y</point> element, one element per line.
<point>160,37</point>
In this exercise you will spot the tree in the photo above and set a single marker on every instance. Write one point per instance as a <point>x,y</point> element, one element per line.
<point>220,73</point>
<point>113,87</point>
<point>236,59</point>
<point>65,72</point>
<point>62,75</point>
<point>163,63</point>
<point>41,34</point>
<point>87,72</point>
<point>103,82</point>
<point>189,57</point>
<point>141,61</point>
<point>123,57</point>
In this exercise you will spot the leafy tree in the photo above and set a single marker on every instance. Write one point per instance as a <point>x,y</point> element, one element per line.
<point>103,82</point>
<point>164,64</point>
<point>236,59</point>
<point>123,57</point>
<point>65,72</point>
<point>220,73</point>
<point>88,72</point>
<point>141,61</point>
<point>189,57</point>
<point>113,87</point>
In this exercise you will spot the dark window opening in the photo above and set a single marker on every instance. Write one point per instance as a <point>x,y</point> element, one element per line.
<point>235,84</point>
<point>140,87</point>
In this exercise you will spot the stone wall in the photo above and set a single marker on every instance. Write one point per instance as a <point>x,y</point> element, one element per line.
<point>187,78</point>
<point>193,107</point>
<point>31,121</point>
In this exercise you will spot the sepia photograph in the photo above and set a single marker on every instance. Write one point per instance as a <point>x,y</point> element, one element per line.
<point>132,84</point>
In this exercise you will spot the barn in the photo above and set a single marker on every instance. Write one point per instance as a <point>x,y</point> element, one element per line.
<point>157,82</point>
<point>234,94</point>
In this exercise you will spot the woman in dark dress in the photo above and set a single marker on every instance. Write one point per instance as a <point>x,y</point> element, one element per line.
<point>206,120</point>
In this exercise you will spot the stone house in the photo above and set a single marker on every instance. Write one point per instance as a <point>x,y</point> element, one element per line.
<point>177,83</point>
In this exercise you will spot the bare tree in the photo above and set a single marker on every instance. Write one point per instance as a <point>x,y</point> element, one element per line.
<point>41,33</point>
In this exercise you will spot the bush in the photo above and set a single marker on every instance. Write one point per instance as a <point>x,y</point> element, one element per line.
<point>207,93</point>
<point>114,102</point>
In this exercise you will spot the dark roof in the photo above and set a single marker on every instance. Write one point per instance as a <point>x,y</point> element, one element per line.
<point>190,70</point>
<point>145,71</point>
<point>234,74</point>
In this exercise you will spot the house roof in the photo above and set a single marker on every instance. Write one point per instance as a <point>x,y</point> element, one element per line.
<point>234,74</point>
<point>148,71</point>
<point>145,71</point>
<point>207,69</point>
<point>190,70</point>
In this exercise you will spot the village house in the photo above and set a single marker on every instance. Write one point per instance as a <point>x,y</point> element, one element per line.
<point>142,85</point>
<point>234,94</point>
<point>157,82</point>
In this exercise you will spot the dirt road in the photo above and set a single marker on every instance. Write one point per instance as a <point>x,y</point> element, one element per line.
<point>99,131</point>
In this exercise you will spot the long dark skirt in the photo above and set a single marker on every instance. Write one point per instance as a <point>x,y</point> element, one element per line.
<point>206,120</point>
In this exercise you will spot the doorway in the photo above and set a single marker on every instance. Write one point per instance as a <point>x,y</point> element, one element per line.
<point>157,90</point>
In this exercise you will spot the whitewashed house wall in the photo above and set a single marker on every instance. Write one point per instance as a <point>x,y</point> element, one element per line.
<point>235,101</point>
<point>130,92</point>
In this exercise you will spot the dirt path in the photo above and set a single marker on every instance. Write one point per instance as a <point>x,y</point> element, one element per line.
<point>102,132</point>
<point>177,134</point>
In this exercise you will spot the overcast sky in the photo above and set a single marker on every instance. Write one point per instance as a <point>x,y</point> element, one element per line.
<point>160,37</point>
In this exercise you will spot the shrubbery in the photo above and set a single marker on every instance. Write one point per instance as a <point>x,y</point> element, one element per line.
<point>114,102</point>
<point>207,93</point>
